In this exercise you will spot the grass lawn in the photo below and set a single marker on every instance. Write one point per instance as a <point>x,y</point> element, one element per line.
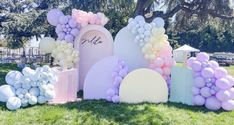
<point>102,112</point>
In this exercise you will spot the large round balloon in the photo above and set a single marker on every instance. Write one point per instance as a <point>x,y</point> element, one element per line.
<point>129,51</point>
<point>53,16</point>
<point>6,91</point>
<point>99,78</point>
<point>143,85</point>
<point>46,45</point>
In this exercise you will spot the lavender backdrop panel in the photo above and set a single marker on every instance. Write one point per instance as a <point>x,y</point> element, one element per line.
<point>99,78</point>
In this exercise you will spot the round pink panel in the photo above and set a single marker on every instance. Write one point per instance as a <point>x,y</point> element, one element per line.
<point>94,43</point>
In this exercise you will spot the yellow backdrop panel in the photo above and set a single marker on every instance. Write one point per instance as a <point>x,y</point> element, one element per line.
<point>143,85</point>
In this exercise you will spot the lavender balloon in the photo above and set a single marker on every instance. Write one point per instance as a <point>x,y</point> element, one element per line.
<point>212,103</point>
<point>53,16</point>
<point>199,100</point>
<point>228,105</point>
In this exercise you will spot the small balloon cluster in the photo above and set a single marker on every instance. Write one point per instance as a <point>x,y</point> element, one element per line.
<point>213,87</point>
<point>85,18</point>
<point>63,53</point>
<point>118,75</point>
<point>29,87</point>
<point>154,42</point>
<point>66,26</point>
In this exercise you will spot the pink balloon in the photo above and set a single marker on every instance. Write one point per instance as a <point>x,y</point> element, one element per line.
<point>213,64</point>
<point>205,92</point>
<point>199,82</point>
<point>213,103</point>
<point>53,16</point>
<point>230,79</point>
<point>63,19</point>
<point>190,61</point>
<point>166,71</point>
<point>69,38</point>
<point>198,100</point>
<point>220,72</point>
<point>202,56</point>
<point>223,95</point>
<point>207,72</point>
<point>195,91</point>
<point>169,62</point>
<point>159,62</point>
<point>196,66</point>
<point>75,32</point>
<point>228,105</point>
<point>223,83</point>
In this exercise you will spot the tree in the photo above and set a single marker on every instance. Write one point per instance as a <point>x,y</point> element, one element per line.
<point>202,8</point>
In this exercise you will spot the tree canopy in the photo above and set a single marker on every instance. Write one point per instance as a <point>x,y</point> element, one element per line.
<point>185,19</point>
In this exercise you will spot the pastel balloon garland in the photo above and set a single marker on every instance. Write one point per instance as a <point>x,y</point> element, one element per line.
<point>213,87</point>
<point>63,53</point>
<point>154,42</point>
<point>30,87</point>
<point>118,75</point>
<point>68,27</point>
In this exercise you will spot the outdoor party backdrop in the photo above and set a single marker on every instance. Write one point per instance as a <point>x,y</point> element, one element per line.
<point>207,25</point>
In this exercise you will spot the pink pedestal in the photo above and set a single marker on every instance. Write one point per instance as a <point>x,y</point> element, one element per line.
<point>66,87</point>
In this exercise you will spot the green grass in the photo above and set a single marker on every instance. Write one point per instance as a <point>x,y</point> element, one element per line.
<point>104,113</point>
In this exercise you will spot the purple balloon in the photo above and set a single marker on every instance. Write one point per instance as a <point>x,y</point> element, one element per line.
<point>207,72</point>
<point>58,28</point>
<point>110,92</point>
<point>199,82</point>
<point>204,64</point>
<point>159,70</point>
<point>198,100</point>
<point>230,79</point>
<point>223,95</point>
<point>213,64</point>
<point>209,84</point>
<point>220,72</point>
<point>74,32</point>
<point>196,66</point>
<point>196,74</point>
<point>63,19</point>
<point>190,61</point>
<point>61,35</point>
<point>212,92</point>
<point>213,103</point>
<point>223,83</point>
<point>69,38</point>
<point>195,91</point>
<point>202,56</point>
<point>72,23</point>
<point>231,93</point>
<point>118,79</point>
<point>123,72</point>
<point>109,98</point>
<point>116,84</point>
<point>114,74</point>
<point>115,99</point>
<point>205,92</point>
<point>228,105</point>
<point>53,16</point>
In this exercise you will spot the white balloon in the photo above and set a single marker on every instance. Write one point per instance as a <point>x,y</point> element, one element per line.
<point>32,100</point>
<point>47,44</point>
<point>139,18</point>
<point>13,103</point>
<point>13,77</point>
<point>159,22</point>
<point>6,91</point>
